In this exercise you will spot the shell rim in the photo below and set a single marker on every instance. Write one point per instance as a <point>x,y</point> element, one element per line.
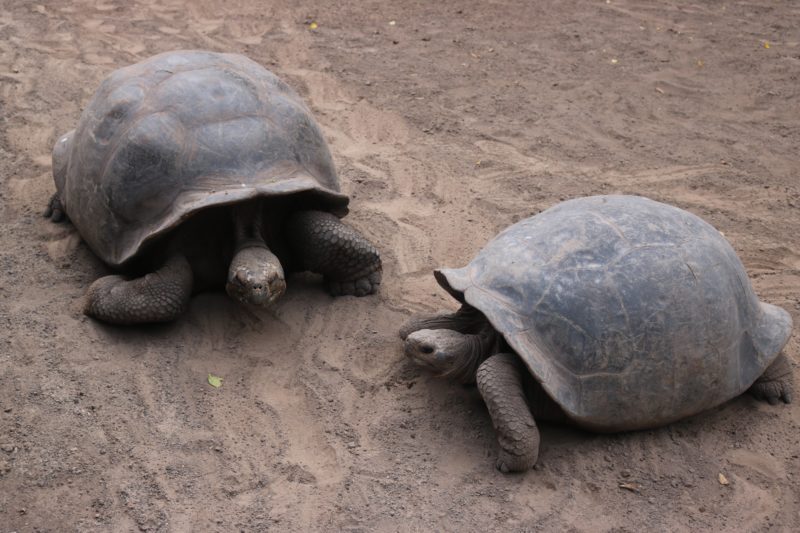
<point>290,183</point>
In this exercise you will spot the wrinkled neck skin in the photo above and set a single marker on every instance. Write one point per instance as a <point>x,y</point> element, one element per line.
<point>247,222</point>
<point>451,345</point>
<point>477,348</point>
<point>465,320</point>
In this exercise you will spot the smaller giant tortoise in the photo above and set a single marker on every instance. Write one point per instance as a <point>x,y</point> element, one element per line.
<point>194,170</point>
<point>613,313</point>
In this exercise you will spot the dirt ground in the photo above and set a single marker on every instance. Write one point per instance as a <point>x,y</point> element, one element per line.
<point>448,120</point>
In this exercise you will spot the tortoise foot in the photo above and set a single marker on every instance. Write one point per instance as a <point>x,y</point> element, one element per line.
<point>360,287</point>
<point>508,462</point>
<point>776,384</point>
<point>54,210</point>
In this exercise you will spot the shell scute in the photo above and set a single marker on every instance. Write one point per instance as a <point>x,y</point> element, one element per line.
<point>629,312</point>
<point>181,132</point>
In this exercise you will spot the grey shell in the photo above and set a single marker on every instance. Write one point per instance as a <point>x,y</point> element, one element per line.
<point>180,132</point>
<point>629,312</point>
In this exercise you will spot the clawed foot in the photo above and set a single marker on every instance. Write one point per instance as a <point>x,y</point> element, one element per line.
<point>360,287</point>
<point>507,462</point>
<point>772,391</point>
<point>54,210</point>
<point>776,384</point>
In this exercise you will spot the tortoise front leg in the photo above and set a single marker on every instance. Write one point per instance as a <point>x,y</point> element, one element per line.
<point>775,384</point>
<point>324,244</point>
<point>500,382</point>
<point>160,296</point>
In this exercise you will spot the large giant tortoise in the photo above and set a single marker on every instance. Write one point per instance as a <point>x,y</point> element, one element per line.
<point>192,164</point>
<point>611,312</point>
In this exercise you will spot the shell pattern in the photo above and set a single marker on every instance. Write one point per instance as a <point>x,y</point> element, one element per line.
<point>180,132</point>
<point>630,313</point>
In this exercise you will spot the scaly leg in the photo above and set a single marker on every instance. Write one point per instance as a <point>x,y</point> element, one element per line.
<point>324,244</point>
<point>500,382</point>
<point>160,296</point>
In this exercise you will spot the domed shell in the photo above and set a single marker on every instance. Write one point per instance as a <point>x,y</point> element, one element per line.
<point>629,312</point>
<point>180,132</point>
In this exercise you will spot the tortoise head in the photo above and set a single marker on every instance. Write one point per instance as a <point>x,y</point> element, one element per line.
<point>255,276</point>
<point>449,353</point>
<point>440,350</point>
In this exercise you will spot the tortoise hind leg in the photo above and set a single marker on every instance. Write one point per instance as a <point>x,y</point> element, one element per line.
<point>54,210</point>
<point>500,382</point>
<point>160,296</point>
<point>324,244</point>
<point>775,384</point>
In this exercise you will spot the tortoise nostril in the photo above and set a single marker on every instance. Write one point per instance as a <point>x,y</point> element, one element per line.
<point>258,286</point>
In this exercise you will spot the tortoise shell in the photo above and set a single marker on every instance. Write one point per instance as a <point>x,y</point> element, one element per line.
<point>629,312</point>
<point>180,132</point>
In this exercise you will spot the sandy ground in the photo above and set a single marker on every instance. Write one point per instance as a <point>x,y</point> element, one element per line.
<point>446,126</point>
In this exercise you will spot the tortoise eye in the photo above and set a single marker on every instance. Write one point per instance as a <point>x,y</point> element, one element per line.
<point>118,112</point>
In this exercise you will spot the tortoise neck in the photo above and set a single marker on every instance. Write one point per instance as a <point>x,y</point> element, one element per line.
<point>465,320</point>
<point>247,224</point>
<point>479,344</point>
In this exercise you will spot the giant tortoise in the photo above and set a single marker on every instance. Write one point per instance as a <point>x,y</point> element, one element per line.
<point>610,312</point>
<point>195,169</point>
